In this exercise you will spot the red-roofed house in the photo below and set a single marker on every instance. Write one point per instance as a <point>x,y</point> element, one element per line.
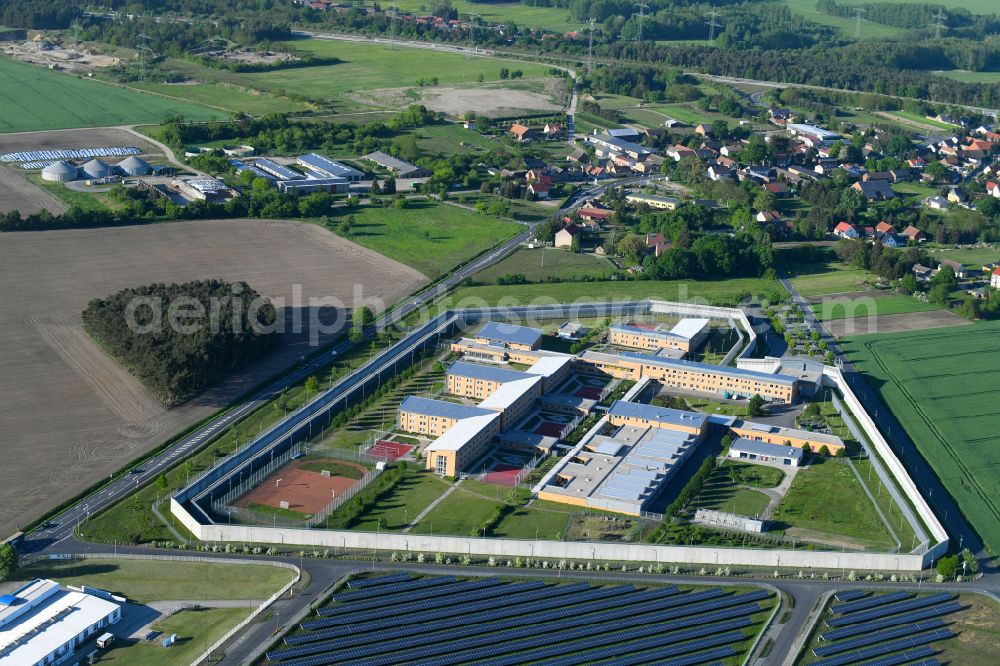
<point>993,189</point>
<point>845,230</point>
<point>657,242</point>
<point>540,188</point>
<point>995,278</point>
<point>778,189</point>
<point>595,214</point>
<point>914,234</point>
<point>520,132</point>
<point>884,228</point>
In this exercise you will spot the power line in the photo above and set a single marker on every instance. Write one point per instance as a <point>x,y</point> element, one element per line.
<point>859,16</point>
<point>472,34</point>
<point>642,17</point>
<point>939,23</point>
<point>393,18</point>
<point>143,48</point>
<point>713,24</point>
<point>590,48</point>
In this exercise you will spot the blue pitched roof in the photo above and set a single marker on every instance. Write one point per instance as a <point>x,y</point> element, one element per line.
<point>708,367</point>
<point>8,600</point>
<point>488,372</point>
<point>441,408</point>
<point>510,333</point>
<point>766,449</point>
<point>640,410</point>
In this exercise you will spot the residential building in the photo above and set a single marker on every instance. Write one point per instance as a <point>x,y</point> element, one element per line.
<point>995,278</point>
<point>875,190</point>
<point>914,234</point>
<point>686,336</point>
<point>652,200</point>
<point>427,416</point>
<point>565,236</point>
<point>521,132</point>
<point>846,230</point>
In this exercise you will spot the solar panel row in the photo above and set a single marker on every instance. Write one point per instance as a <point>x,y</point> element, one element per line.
<point>427,592</point>
<point>361,583</point>
<point>354,596</point>
<point>365,628</point>
<point>870,602</point>
<point>582,638</point>
<point>905,657</point>
<point>877,637</point>
<point>850,595</point>
<point>700,658</point>
<point>562,629</point>
<point>549,597</point>
<point>446,631</point>
<point>885,648</point>
<point>882,611</point>
<point>904,618</point>
<point>656,642</point>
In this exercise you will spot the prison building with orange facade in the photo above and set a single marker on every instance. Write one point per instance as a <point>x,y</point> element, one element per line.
<point>726,382</point>
<point>686,336</point>
<point>772,434</point>
<point>509,336</point>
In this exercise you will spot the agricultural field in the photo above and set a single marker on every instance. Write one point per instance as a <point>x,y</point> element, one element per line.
<point>970,77</point>
<point>226,97</point>
<point>973,258</point>
<point>721,292</point>
<point>430,237</point>
<point>81,103</point>
<point>556,19</point>
<point>368,67</point>
<point>938,385</point>
<point>537,264</point>
<point>831,277</point>
<point>18,192</point>
<point>105,417</point>
<point>807,9</point>
<point>832,308</point>
<point>923,120</point>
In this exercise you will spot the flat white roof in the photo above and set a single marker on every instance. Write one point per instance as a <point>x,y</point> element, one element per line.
<point>549,365</point>
<point>50,625</point>
<point>509,393</point>
<point>689,328</point>
<point>459,434</point>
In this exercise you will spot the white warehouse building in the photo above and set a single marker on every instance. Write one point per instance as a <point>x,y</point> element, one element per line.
<point>42,623</point>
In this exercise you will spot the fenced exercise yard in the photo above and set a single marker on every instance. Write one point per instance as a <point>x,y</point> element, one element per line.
<point>304,486</point>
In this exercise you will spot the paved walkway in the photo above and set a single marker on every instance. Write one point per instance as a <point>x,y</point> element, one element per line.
<point>431,506</point>
<point>776,494</point>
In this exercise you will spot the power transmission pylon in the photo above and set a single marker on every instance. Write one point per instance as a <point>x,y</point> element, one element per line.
<point>859,16</point>
<point>393,18</point>
<point>472,35</point>
<point>712,24</point>
<point>642,16</point>
<point>939,23</point>
<point>143,48</point>
<point>590,48</point>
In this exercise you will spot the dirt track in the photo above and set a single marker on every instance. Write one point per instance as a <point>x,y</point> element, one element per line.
<point>70,414</point>
<point>896,323</point>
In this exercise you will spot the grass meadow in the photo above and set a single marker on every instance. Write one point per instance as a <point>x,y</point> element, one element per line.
<point>229,97</point>
<point>432,238</point>
<point>841,308</point>
<point>196,629</point>
<point>48,100</point>
<point>938,383</point>
<point>539,263</point>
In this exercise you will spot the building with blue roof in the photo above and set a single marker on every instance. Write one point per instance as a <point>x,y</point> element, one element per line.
<point>433,417</point>
<point>330,168</point>
<point>509,335</point>
<point>752,451</point>
<point>642,415</point>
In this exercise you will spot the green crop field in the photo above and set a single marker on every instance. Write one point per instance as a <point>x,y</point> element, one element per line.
<point>366,67</point>
<point>807,9</point>
<point>939,385</point>
<point>917,118</point>
<point>834,308</point>
<point>230,98</point>
<point>714,292</point>
<point>970,77</point>
<point>50,100</point>
<point>431,237</point>
<point>549,18</point>
<point>831,278</point>
<point>537,264</point>
<point>143,581</point>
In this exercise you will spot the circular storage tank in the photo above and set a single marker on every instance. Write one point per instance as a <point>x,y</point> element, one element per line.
<point>134,166</point>
<point>62,172</point>
<point>97,169</point>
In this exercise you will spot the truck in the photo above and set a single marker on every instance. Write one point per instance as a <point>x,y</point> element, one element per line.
<point>104,640</point>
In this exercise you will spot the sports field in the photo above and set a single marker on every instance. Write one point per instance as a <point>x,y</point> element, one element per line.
<point>50,100</point>
<point>940,386</point>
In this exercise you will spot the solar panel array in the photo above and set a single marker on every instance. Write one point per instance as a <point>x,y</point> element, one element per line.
<point>888,629</point>
<point>438,621</point>
<point>69,154</point>
<point>850,595</point>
